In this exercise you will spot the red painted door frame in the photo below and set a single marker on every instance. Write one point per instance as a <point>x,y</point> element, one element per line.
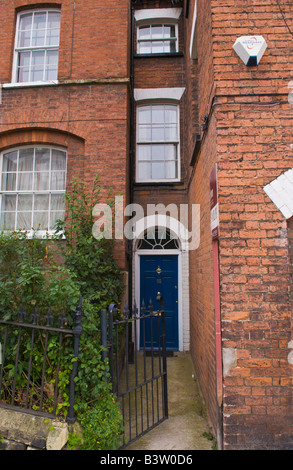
<point>219,368</point>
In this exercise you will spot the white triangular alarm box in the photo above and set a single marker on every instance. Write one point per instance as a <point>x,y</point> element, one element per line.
<point>250,49</point>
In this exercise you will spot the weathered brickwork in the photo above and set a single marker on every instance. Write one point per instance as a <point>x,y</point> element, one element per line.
<point>252,137</point>
<point>163,72</point>
<point>244,120</point>
<point>90,104</point>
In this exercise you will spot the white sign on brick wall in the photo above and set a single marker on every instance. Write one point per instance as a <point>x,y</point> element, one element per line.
<point>280,191</point>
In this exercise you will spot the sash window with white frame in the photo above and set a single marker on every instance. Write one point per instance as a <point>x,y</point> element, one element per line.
<point>33,183</point>
<point>157,143</point>
<point>37,46</point>
<point>157,38</point>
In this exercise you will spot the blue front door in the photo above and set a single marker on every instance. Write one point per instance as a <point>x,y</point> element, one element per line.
<point>160,274</point>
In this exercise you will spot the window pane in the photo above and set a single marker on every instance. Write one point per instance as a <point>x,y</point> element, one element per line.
<point>38,58</point>
<point>157,47</point>
<point>158,133</point>
<point>25,203</point>
<point>8,181</point>
<point>26,160</point>
<point>39,20</point>
<point>10,161</point>
<point>169,31</point>
<point>24,59</point>
<point>51,71</point>
<point>54,216</point>
<point>24,221</point>
<point>41,202</point>
<point>41,220</point>
<point>171,132</point>
<point>57,202</point>
<point>51,74</point>
<point>8,220</point>
<point>52,57</point>
<point>41,181</point>
<point>170,114</point>
<point>157,32</point>
<point>38,37</point>
<point>144,152</point>
<point>158,114</point>
<point>25,22</point>
<point>158,152</point>
<point>170,152</point>
<point>42,161</point>
<point>158,171</point>
<point>9,203</point>
<point>145,47</point>
<point>170,170</point>
<point>23,75</point>
<point>144,115</point>
<point>58,180</point>
<point>145,133</point>
<point>53,19</point>
<point>24,38</point>
<point>25,182</point>
<point>37,74</point>
<point>53,37</point>
<point>58,160</point>
<point>144,170</point>
<point>144,32</point>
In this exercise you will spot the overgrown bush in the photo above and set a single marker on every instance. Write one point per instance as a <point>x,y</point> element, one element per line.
<point>101,424</point>
<point>55,272</point>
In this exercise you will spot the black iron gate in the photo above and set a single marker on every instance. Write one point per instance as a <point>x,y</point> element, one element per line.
<point>138,373</point>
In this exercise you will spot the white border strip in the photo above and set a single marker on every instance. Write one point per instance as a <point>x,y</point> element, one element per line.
<point>158,94</point>
<point>141,15</point>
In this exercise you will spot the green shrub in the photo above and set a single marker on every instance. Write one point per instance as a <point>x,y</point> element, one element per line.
<point>102,426</point>
<point>55,272</point>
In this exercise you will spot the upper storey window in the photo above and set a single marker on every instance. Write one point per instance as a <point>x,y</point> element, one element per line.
<point>157,142</point>
<point>157,30</point>
<point>37,46</point>
<point>157,38</point>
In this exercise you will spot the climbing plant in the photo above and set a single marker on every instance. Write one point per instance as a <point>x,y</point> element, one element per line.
<point>54,272</point>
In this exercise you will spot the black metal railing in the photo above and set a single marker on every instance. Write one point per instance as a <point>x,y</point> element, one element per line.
<point>138,370</point>
<point>29,345</point>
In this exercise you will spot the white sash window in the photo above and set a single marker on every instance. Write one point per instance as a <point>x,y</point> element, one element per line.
<point>157,38</point>
<point>157,143</point>
<point>33,183</point>
<point>37,46</point>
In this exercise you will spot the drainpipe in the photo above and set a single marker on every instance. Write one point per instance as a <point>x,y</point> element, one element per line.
<point>131,148</point>
<point>219,369</point>
<point>130,173</point>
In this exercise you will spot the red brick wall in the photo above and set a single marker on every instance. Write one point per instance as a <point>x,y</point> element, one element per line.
<point>290,237</point>
<point>89,118</point>
<point>164,72</point>
<point>202,317</point>
<point>94,39</point>
<point>252,134</point>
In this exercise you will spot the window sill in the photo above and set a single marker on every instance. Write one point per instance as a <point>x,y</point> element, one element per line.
<point>159,183</point>
<point>41,234</point>
<point>160,54</point>
<point>30,84</point>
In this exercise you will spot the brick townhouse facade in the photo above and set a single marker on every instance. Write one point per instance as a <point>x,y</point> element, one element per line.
<point>151,96</point>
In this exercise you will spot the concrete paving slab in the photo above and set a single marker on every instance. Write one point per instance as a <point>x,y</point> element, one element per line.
<point>187,422</point>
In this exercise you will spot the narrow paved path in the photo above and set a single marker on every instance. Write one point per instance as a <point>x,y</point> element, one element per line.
<point>187,421</point>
